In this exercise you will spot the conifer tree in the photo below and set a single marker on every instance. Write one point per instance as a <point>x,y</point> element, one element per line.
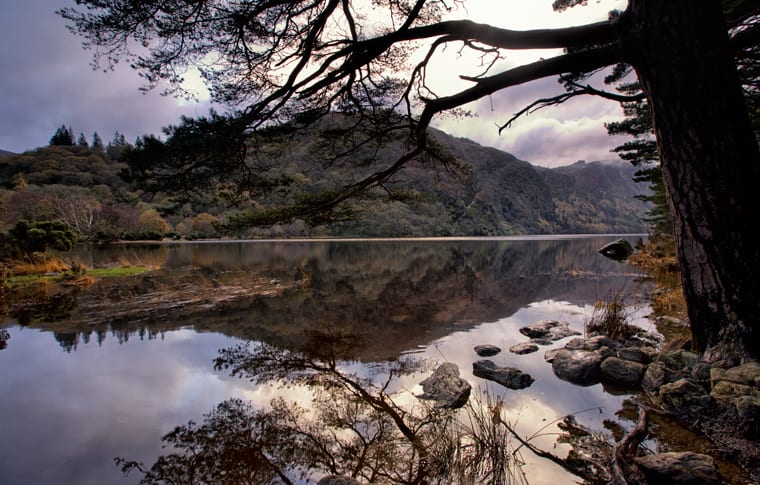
<point>82,141</point>
<point>63,137</point>
<point>97,142</point>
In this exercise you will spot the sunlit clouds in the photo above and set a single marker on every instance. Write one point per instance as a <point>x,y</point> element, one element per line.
<point>47,81</point>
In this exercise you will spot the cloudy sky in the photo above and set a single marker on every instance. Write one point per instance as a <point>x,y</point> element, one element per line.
<point>47,82</point>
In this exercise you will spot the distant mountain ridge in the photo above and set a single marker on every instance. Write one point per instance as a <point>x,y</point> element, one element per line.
<point>504,196</point>
<point>497,195</point>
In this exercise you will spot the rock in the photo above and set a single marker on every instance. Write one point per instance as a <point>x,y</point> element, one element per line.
<point>679,468</point>
<point>523,348</point>
<point>748,409</point>
<point>617,250</point>
<point>743,374</point>
<point>679,359</point>
<point>577,366</point>
<point>549,355</point>
<point>446,388</point>
<point>701,371</point>
<point>506,376</point>
<point>654,377</point>
<point>548,329</point>
<point>541,341</point>
<point>622,373</point>
<point>732,389</point>
<point>338,480</point>
<point>684,395</point>
<point>593,343</point>
<point>634,355</point>
<point>487,350</point>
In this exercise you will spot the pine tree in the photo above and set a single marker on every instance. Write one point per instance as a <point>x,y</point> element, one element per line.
<point>97,142</point>
<point>82,141</point>
<point>63,137</point>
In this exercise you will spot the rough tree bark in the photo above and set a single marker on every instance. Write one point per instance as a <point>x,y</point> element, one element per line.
<point>710,162</point>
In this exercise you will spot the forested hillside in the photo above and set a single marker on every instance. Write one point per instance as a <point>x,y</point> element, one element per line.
<point>482,191</point>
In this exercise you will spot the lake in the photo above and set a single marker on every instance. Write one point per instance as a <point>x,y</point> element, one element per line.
<point>93,373</point>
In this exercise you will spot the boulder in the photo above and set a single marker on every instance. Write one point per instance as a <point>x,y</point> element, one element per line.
<point>679,468</point>
<point>550,354</point>
<point>592,343</point>
<point>523,348</point>
<point>621,373</point>
<point>679,359</point>
<point>684,395</point>
<point>634,354</point>
<point>506,376</point>
<point>655,376</point>
<point>486,350</point>
<point>732,389</point>
<point>618,250</point>
<point>548,329</point>
<point>744,374</point>
<point>748,410</point>
<point>446,388</point>
<point>577,366</point>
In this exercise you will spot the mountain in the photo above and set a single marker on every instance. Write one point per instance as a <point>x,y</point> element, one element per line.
<point>5,153</point>
<point>465,190</point>
<point>502,195</point>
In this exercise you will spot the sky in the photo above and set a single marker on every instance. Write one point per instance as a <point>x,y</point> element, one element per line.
<point>47,81</point>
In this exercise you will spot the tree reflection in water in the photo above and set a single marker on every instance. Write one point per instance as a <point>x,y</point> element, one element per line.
<point>354,426</point>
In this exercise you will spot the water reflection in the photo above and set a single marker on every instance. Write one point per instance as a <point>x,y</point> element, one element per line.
<point>66,415</point>
<point>397,294</point>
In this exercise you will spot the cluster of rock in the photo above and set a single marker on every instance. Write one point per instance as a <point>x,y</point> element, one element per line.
<point>678,382</point>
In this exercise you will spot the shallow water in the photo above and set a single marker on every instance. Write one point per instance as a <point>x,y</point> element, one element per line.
<point>106,371</point>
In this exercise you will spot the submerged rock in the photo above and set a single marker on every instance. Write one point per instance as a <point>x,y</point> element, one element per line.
<point>679,468</point>
<point>486,350</point>
<point>523,348</point>
<point>548,329</point>
<point>506,376</point>
<point>582,367</point>
<point>446,388</point>
<point>617,250</point>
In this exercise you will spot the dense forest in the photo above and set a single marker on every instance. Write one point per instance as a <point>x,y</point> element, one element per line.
<point>482,192</point>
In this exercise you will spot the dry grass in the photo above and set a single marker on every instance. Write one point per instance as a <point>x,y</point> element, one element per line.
<point>37,266</point>
<point>657,257</point>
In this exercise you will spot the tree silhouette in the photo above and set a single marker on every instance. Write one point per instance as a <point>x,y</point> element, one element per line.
<point>62,137</point>
<point>299,61</point>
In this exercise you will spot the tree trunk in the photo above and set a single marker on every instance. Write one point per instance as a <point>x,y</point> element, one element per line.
<point>710,162</point>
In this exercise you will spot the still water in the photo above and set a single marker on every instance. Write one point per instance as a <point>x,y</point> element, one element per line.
<point>92,374</point>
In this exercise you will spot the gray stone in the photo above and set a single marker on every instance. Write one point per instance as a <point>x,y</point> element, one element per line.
<point>732,389</point>
<point>541,341</point>
<point>679,359</point>
<point>701,371</point>
<point>679,468</point>
<point>523,348</point>
<point>683,395</point>
<point>550,354</point>
<point>338,480</point>
<point>748,409</point>
<point>743,374</point>
<point>486,350</point>
<point>577,366</point>
<point>634,355</point>
<point>622,373</point>
<point>618,250</point>
<point>654,377</point>
<point>548,329</point>
<point>446,388</point>
<point>506,376</point>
